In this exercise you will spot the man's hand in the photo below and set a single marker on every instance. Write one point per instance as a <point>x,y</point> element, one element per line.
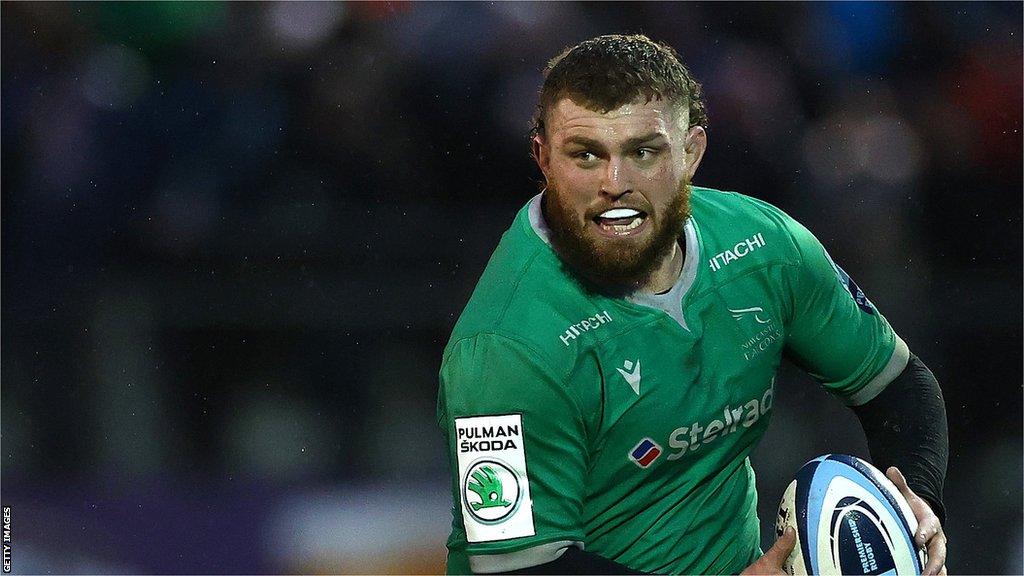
<point>929,531</point>
<point>771,562</point>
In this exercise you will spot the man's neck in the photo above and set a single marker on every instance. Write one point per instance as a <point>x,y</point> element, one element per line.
<point>665,277</point>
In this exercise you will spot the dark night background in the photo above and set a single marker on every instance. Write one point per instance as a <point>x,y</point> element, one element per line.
<point>235,238</point>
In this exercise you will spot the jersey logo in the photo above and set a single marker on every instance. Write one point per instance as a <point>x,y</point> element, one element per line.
<point>755,311</point>
<point>858,295</point>
<point>494,486</point>
<point>688,439</point>
<point>587,324</point>
<point>633,375</point>
<point>486,494</point>
<point>645,453</point>
<point>767,331</point>
<point>738,251</point>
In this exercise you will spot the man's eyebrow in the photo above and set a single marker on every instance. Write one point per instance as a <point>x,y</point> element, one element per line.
<point>636,141</point>
<point>583,141</point>
<point>632,142</point>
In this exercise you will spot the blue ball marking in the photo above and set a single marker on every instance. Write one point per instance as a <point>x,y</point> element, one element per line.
<point>813,480</point>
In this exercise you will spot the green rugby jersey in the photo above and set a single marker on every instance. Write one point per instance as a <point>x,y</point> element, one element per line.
<point>623,425</point>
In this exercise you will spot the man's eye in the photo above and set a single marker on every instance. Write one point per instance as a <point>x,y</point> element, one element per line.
<point>645,153</point>
<point>585,156</point>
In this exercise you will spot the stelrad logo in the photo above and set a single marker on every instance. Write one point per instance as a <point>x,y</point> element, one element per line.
<point>687,439</point>
<point>645,453</point>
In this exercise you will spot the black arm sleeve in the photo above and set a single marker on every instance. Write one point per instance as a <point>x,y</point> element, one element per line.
<point>905,427</point>
<point>576,561</point>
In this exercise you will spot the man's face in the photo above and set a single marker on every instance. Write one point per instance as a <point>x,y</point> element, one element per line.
<point>617,186</point>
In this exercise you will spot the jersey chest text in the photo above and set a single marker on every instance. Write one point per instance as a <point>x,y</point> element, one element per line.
<point>686,397</point>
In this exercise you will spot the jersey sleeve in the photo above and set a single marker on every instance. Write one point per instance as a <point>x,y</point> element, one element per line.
<point>517,450</point>
<point>835,333</point>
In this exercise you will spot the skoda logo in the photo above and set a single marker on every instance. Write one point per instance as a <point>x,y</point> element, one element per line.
<point>491,491</point>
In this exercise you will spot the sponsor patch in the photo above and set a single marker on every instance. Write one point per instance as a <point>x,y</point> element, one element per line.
<point>493,484</point>
<point>645,453</point>
<point>858,295</point>
<point>738,251</point>
<point>587,324</point>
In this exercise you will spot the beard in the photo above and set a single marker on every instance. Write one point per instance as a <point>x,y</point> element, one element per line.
<point>606,265</point>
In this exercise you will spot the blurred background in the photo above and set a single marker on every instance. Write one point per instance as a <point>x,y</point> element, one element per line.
<point>235,238</point>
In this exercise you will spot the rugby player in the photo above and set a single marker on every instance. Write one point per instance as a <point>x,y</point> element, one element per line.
<point>614,367</point>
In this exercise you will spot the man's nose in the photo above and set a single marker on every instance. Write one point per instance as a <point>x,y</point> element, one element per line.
<point>616,181</point>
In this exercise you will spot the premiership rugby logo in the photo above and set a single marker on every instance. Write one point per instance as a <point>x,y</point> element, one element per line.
<point>858,295</point>
<point>491,491</point>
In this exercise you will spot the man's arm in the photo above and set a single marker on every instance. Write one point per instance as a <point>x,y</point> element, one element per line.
<point>502,407</point>
<point>837,335</point>
<point>905,427</point>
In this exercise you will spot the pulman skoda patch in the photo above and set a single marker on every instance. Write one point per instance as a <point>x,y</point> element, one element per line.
<point>493,485</point>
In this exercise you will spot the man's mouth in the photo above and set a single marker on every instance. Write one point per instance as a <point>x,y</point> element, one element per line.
<point>620,221</point>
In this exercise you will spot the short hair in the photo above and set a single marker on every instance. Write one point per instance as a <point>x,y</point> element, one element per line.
<point>607,72</point>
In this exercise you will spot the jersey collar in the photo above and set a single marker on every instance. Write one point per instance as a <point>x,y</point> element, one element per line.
<point>537,222</point>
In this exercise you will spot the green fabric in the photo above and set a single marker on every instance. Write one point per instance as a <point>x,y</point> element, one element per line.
<point>533,342</point>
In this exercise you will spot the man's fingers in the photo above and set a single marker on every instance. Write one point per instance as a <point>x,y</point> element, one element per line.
<point>894,474</point>
<point>928,524</point>
<point>936,555</point>
<point>782,547</point>
<point>926,530</point>
<point>771,561</point>
<point>929,530</point>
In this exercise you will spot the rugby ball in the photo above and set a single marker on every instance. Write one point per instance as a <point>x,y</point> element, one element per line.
<point>849,519</point>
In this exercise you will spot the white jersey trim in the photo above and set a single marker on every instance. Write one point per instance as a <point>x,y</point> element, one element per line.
<point>897,362</point>
<point>537,222</point>
<point>671,302</point>
<point>535,556</point>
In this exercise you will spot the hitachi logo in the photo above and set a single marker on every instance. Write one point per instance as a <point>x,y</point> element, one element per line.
<point>582,326</point>
<point>738,251</point>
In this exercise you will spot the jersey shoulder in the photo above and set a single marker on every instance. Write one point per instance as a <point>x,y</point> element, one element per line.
<point>740,234</point>
<point>526,296</point>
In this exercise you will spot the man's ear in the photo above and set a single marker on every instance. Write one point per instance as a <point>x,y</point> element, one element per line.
<point>696,144</point>
<point>541,154</point>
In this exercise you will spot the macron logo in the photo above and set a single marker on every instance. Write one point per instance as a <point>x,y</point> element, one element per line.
<point>633,375</point>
